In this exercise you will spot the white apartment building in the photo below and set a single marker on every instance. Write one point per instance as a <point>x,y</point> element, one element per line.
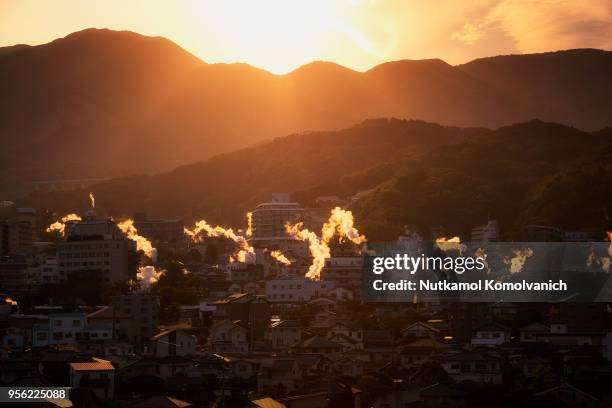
<point>269,218</point>
<point>97,245</point>
<point>68,328</point>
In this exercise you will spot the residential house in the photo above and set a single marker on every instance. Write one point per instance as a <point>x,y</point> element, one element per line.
<point>285,334</point>
<point>279,377</point>
<point>420,330</point>
<point>491,334</point>
<point>228,337</point>
<point>421,351</point>
<point>319,345</point>
<point>477,366</point>
<point>174,342</point>
<point>97,376</point>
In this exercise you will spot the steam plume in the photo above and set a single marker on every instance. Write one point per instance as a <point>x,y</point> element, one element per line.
<point>60,226</point>
<point>341,222</point>
<point>280,257</point>
<point>603,261</point>
<point>246,253</point>
<point>147,275</point>
<point>450,244</point>
<point>249,230</point>
<point>92,200</point>
<point>142,244</point>
<point>518,260</point>
<point>318,248</point>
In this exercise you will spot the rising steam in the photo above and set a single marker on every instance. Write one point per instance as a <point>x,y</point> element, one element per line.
<point>518,260</point>
<point>249,230</point>
<point>340,223</point>
<point>142,244</point>
<point>246,253</point>
<point>60,226</point>
<point>147,275</point>
<point>319,250</point>
<point>280,257</point>
<point>603,261</point>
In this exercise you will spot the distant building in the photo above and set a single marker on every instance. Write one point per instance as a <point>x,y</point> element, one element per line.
<point>174,342</point>
<point>160,230</point>
<point>285,334</point>
<point>228,336</point>
<point>143,310</point>
<point>97,376</point>
<point>343,271</point>
<point>17,231</point>
<point>269,218</point>
<point>486,233</point>
<point>14,273</point>
<point>474,366</point>
<point>253,311</point>
<point>99,246</point>
<point>295,290</point>
<point>243,272</point>
<point>543,233</point>
<point>69,328</point>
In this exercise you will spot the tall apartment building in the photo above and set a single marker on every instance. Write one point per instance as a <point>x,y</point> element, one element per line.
<point>269,218</point>
<point>97,245</point>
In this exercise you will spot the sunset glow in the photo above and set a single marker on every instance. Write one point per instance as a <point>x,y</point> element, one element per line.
<point>282,35</point>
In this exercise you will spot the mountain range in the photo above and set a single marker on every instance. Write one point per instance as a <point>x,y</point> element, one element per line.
<point>102,103</point>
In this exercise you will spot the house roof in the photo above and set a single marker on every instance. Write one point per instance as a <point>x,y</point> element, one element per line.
<point>424,345</point>
<point>349,325</point>
<point>441,390</point>
<point>423,325</point>
<point>268,403</point>
<point>166,332</point>
<point>162,402</point>
<point>231,298</point>
<point>108,312</point>
<point>286,324</point>
<point>319,342</point>
<point>93,366</point>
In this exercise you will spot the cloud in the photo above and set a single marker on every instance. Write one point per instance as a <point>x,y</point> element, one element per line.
<point>470,33</point>
<point>543,25</point>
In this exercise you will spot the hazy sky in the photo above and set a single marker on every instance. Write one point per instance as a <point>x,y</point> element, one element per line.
<point>280,35</point>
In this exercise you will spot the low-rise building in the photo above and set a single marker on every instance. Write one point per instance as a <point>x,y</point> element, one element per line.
<point>174,342</point>
<point>97,376</point>
<point>285,334</point>
<point>295,290</point>
<point>228,337</point>
<point>474,366</point>
<point>69,328</point>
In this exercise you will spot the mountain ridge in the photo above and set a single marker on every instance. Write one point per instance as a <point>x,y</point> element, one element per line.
<point>411,173</point>
<point>103,103</point>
